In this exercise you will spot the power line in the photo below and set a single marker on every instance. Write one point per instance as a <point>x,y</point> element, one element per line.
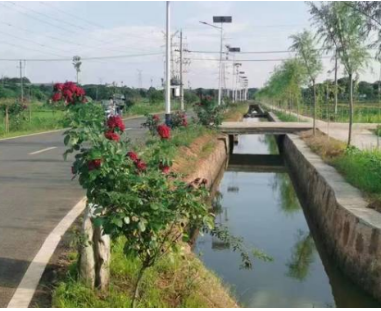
<point>25,48</point>
<point>34,42</point>
<point>48,4</point>
<point>38,19</point>
<point>67,30</point>
<point>47,16</point>
<point>248,60</point>
<point>82,58</point>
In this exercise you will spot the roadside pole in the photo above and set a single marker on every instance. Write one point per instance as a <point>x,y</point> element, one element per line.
<point>181,73</point>
<point>168,67</point>
<point>21,82</point>
<point>220,69</point>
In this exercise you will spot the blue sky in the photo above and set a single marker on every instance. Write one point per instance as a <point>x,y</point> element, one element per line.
<point>51,30</point>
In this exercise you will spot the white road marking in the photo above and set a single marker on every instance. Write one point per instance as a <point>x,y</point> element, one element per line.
<point>42,150</point>
<point>25,291</point>
<point>34,134</point>
<point>128,128</point>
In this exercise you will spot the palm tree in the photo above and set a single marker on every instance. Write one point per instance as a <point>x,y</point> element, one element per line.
<point>304,46</point>
<point>77,66</point>
<point>347,32</point>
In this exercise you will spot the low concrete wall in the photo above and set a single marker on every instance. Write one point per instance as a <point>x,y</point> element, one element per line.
<point>210,167</point>
<point>350,231</point>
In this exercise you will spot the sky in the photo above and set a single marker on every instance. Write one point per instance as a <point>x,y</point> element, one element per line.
<point>59,30</point>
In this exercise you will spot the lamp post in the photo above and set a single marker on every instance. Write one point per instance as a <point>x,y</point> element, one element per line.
<point>221,20</point>
<point>168,66</point>
<point>233,50</point>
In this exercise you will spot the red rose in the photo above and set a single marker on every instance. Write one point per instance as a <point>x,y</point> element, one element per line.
<point>56,97</point>
<point>164,131</point>
<point>58,87</point>
<point>112,136</point>
<point>164,168</point>
<point>78,91</point>
<point>156,117</point>
<point>115,122</point>
<point>68,95</point>
<point>70,86</point>
<point>140,165</point>
<point>133,156</point>
<point>94,164</point>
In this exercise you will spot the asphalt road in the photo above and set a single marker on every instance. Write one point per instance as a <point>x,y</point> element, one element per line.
<point>36,192</point>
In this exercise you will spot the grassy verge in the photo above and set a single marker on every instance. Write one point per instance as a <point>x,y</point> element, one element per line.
<point>180,281</point>
<point>285,117</point>
<point>177,281</point>
<point>236,111</point>
<point>143,108</point>
<point>360,168</point>
<point>36,118</point>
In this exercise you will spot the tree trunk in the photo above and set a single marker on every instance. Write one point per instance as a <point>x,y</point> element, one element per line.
<point>350,109</point>
<point>94,254</point>
<point>314,112</point>
<point>336,88</point>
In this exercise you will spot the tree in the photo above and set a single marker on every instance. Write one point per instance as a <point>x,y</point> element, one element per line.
<point>325,33</point>
<point>346,25</point>
<point>371,11</point>
<point>77,66</point>
<point>304,46</point>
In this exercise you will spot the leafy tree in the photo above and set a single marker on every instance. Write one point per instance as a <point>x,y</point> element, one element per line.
<point>7,93</point>
<point>304,46</point>
<point>155,96</point>
<point>346,26</point>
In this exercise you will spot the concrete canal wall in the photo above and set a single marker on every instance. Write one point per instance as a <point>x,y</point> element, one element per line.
<point>350,231</point>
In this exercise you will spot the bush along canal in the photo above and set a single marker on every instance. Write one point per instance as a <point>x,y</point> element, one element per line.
<point>258,203</point>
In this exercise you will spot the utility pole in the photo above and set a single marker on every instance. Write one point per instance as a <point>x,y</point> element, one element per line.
<point>140,79</point>
<point>21,82</point>
<point>220,69</point>
<point>168,65</point>
<point>221,20</point>
<point>181,73</point>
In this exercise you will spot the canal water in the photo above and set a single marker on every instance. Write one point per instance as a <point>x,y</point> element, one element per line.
<point>263,209</point>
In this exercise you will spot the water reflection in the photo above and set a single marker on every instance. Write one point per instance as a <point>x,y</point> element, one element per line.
<point>302,256</point>
<point>288,200</point>
<point>263,209</point>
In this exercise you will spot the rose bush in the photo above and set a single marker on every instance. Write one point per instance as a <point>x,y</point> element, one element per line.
<point>151,123</point>
<point>69,92</point>
<point>179,119</point>
<point>136,196</point>
<point>208,112</point>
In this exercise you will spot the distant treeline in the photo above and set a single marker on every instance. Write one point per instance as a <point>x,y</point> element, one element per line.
<point>11,88</point>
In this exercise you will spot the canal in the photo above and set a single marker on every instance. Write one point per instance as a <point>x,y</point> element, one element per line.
<point>262,208</point>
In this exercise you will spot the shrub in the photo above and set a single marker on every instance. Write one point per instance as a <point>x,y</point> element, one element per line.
<point>208,112</point>
<point>179,119</point>
<point>151,123</point>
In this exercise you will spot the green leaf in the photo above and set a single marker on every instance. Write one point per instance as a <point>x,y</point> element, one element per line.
<point>126,220</point>
<point>98,222</point>
<point>142,226</point>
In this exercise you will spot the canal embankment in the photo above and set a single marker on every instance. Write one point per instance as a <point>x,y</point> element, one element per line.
<point>350,229</point>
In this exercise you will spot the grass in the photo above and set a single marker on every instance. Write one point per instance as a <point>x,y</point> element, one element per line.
<point>145,107</point>
<point>361,168</point>
<point>179,281</point>
<point>363,112</point>
<point>40,121</point>
<point>285,117</point>
<point>236,111</point>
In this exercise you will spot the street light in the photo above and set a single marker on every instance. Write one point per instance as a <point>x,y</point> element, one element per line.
<point>168,67</point>
<point>221,20</point>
